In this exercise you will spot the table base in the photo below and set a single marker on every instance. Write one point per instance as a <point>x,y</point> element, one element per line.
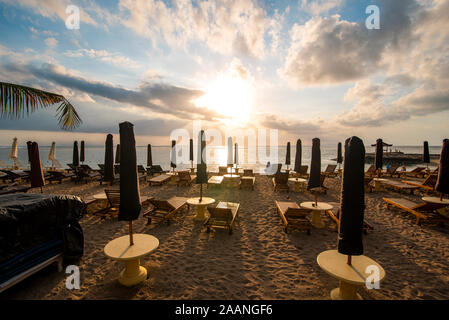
<point>133,273</point>
<point>200,213</point>
<point>346,291</point>
<point>316,220</point>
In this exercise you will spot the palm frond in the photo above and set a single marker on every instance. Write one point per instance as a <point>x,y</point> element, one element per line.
<point>18,101</point>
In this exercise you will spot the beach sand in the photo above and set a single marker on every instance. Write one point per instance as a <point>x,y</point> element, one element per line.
<point>258,261</point>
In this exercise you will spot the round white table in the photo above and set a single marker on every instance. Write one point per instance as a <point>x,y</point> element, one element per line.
<point>200,206</point>
<point>436,200</point>
<point>316,212</point>
<point>299,183</point>
<point>120,250</point>
<point>350,276</point>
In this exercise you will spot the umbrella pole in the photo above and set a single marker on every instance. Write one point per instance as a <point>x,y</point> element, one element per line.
<point>131,241</point>
<point>316,198</point>
<point>43,191</point>
<point>441,197</point>
<point>201,192</point>
<point>349,261</point>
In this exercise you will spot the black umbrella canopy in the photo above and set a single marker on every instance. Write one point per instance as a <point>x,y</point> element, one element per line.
<point>287,155</point>
<point>129,183</point>
<point>191,149</point>
<point>82,154</point>
<point>149,156</point>
<point>352,198</point>
<point>339,156</point>
<point>442,184</point>
<point>173,154</point>
<point>109,159</point>
<point>425,153</point>
<point>29,143</point>
<point>76,157</point>
<point>201,175</point>
<point>315,165</point>
<point>298,157</point>
<point>117,154</point>
<point>37,176</point>
<point>379,154</point>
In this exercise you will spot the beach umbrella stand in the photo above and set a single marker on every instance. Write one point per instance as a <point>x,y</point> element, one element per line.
<point>442,184</point>
<point>192,169</point>
<point>13,154</point>
<point>288,157</point>
<point>426,156</point>
<point>130,248</point>
<point>348,264</point>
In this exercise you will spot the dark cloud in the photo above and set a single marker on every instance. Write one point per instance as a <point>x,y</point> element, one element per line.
<point>299,127</point>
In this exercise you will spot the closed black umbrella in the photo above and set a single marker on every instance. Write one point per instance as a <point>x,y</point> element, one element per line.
<point>315,167</point>
<point>339,155</point>
<point>149,156</point>
<point>379,155</point>
<point>29,143</point>
<point>76,157</point>
<point>201,167</point>
<point>298,157</point>
<point>425,153</point>
<point>117,154</point>
<point>82,154</point>
<point>442,184</point>
<point>109,159</point>
<point>173,155</point>
<point>191,152</point>
<point>37,176</point>
<point>287,155</point>
<point>129,183</point>
<point>352,199</point>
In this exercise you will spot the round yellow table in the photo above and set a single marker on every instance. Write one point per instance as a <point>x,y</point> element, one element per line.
<point>299,183</point>
<point>316,212</point>
<point>200,206</point>
<point>120,250</point>
<point>436,200</point>
<point>350,276</point>
<point>378,183</point>
<point>173,176</point>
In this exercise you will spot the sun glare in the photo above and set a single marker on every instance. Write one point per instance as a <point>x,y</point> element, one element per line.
<point>230,96</point>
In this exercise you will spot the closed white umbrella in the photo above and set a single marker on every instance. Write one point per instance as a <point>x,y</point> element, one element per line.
<point>236,155</point>
<point>13,153</point>
<point>230,160</point>
<point>52,154</point>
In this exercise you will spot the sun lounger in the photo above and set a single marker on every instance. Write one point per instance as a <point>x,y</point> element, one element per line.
<point>185,178</point>
<point>371,170</point>
<point>368,184</point>
<point>397,185</point>
<point>59,176</point>
<point>427,184</point>
<point>422,211</point>
<point>248,173</point>
<point>417,172</point>
<point>222,170</point>
<point>222,216</point>
<point>159,180</point>
<point>330,170</point>
<point>302,173</point>
<point>83,174</point>
<point>113,197</point>
<point>334,214</point>
<point>14,175</point>
<point>247,182</point>
<point>391,171</point>
<point>322,188</point>
<point>164,210</point>
<point>293,217</point>
<point>15,189</point>
<point>155,169</point>
<point>280,181</point>
<point>215,181</point>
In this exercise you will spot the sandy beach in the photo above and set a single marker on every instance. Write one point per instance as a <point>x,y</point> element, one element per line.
<point>258,261</point>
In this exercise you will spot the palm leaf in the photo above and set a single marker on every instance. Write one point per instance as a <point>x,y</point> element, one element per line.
<point>16,101</point>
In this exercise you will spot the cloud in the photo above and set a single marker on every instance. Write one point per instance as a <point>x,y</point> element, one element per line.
<point>226,26</point>
<point>105,56</point>
<point>51,42</point>
<point>317,7</point>
<point>291,125</point>
<point>331,50</point>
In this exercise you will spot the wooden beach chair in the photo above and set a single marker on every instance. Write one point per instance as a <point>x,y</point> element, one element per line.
<point>398,186</point>
<point>248,173</point>
<point>85,175</point>
<point>222,170</point>
<point>14,189</point>
<point>155,169</point>
<point>247,182</point>
<point>371,171</point>
<point>334,214</point>
<point>427,184</point>
<point>222,216</point>
<point>215,181</point>
<point>59,176</point>
<point>159,180</point>
<point>368,184</point>
<point>113,197</point>
<point>302,173</point>
<point>322,188</point>
<point>280,181</point>
<point>416,172</point>
<point>330,170</point>
<point>185,178</point>
<point>391,171</point>
<point>164,210</point>
<point>293,217</point>
<point>14,175</point>
<point>422,211</point>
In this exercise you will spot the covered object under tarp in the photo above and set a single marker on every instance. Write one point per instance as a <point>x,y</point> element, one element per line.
<point>35,227</point>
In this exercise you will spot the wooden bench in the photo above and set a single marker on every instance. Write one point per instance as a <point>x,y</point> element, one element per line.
<point>159,180</point>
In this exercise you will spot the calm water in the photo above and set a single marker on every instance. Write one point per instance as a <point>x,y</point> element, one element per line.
<point>216,156</point>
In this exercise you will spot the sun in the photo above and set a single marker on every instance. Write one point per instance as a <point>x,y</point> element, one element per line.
<point>230,96</point>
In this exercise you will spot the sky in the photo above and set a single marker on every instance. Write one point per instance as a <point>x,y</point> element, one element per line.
<point>305,68</point>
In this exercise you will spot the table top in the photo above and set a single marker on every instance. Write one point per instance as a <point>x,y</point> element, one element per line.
<point>310,205</point>
<point>379,179</point>
<point>297,180</point>
<point>171,173</point>
<point>119,249</point>
<point>231,176</point>
<point>435,200</point>
<point>100,196</point>
<point>335,264</point>
<point>204,202</point>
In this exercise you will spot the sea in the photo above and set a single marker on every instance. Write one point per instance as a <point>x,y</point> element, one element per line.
<point>215,156</point>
